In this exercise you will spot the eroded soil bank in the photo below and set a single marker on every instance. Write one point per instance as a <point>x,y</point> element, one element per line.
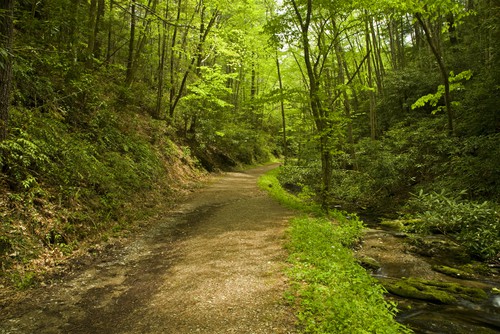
<point>212,265</point>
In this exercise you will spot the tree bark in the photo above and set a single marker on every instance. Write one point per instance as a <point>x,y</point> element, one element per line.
<point>131,46</point>
<point>172,62</point>
<point>110,33</point>
<point>372,113</point>
<point>6,38</point>
<point>282,104</point>
<point>161,68</point>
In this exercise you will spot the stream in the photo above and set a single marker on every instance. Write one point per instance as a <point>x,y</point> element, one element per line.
<point>396,258</point>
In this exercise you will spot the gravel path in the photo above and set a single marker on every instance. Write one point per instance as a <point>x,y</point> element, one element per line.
<point>213,265</point>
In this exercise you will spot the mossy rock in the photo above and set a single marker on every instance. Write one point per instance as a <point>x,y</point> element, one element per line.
<point>415,289</point>
<point>393,224</point>
<point>432,291</point>
<point>399,224</point>
<point>453,272</point>
<point>368,263</point>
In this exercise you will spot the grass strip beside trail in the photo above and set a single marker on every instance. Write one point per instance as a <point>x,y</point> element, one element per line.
<point>330,291</point>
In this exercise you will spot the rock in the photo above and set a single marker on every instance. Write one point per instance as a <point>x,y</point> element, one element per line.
<point>369,263</point>
<point>433,291</point>
<point>453,272</point>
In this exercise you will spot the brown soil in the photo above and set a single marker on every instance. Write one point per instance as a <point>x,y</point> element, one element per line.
<point>214,264</point>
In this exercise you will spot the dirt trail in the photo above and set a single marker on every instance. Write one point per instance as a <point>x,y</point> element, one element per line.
<point>213,265</point>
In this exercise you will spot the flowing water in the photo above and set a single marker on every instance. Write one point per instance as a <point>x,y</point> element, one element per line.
<point>397,259</point>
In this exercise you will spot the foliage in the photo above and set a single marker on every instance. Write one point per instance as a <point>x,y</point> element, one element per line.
<point>384,170</point>
<point>63,187</point>
<point>456,83</point>
<point>332,293</point>
<point>474,225</point>
<point>270,183</point>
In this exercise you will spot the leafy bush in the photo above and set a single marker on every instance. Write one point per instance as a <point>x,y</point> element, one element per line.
<point>474,225</point>
<point>23,160</point>
<point>474,166</point>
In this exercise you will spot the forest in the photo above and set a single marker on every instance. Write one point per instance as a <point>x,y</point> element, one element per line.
<point>385,108</point>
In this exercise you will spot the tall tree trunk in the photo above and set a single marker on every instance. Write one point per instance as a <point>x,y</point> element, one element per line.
<point>372,113</point>
<point>6,37</point>
<point>161,68</point>
<point>141,40</point>
<point>197,58</point>
<point>110,32</point>
<point>342,66</point>
<point>253,93</point>
<point>73,38</point>
<point>91,27</point>
<point>282,105</point>
<point>131,46</point>
<point>96,48</point>
<point>172,62</point>
<point>442,69</point>
<point>377,59</point>
<point>319,114</point>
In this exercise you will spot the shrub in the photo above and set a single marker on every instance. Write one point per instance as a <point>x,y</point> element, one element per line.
<point>474,225</point>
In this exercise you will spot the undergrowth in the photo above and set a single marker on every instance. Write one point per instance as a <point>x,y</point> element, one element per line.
<point>64,187</point>
<point>331,292</point>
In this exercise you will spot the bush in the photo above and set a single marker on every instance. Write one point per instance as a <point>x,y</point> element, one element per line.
<point>474,225</point>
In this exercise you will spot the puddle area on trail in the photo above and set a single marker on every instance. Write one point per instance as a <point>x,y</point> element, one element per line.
<point>397,260</point>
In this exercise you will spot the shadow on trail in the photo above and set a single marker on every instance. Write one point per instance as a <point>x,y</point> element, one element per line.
<point>206,266</point>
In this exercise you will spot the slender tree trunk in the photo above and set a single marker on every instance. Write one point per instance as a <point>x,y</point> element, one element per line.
<point>172,62</point>
<point>253,93</point>
<point>372,113</point>
<point>282,104</point>
<point>73,38</point>
<point>161,68</point>
<point>342,66</point>
<point>141,40</point>
<point>377,60</point>
<point>196,59</point>
<point>91,27</point>
<point>131,46</point>
<point>442,69</point>
<point>6,37</point>
<point>319,115</point>
<point>96,48</point>
<point>110,32</point>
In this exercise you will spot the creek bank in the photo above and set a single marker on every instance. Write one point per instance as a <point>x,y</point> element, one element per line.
<point>437,287</point>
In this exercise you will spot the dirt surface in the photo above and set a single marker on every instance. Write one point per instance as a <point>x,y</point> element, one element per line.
<point>214,264</point>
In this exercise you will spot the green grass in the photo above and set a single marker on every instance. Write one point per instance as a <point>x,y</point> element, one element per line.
<point>270,183</point>
<point>330,291</point>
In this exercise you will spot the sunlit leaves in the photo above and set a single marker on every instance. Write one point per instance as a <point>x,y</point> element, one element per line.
<point>456,83</point>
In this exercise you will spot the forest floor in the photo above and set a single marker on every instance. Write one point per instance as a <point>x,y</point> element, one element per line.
<point>213,264</point>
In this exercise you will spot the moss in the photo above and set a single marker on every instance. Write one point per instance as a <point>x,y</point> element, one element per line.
<point>453,272</point>
<point>432,291</point>
<point>415,289</point>
<point>399,224</point>
<point>392,224</point>
<point>368,263</point>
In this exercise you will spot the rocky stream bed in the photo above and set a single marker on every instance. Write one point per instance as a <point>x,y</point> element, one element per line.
<point>436,287</point>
